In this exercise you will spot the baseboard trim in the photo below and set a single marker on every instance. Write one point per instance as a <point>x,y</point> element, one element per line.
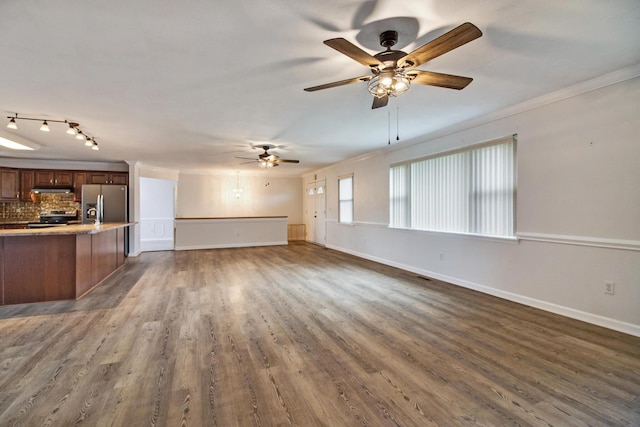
<point>606,322</point>
<point>230,245</point>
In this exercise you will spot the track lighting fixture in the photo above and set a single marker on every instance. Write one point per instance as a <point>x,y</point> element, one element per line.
<point>73,128</point>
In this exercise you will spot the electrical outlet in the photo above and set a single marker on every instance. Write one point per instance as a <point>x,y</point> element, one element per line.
<point>441,256</point>
<point>609,287</point>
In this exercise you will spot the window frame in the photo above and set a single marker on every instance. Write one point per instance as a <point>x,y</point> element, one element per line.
<point>350,200</point>
<point>401,181</point>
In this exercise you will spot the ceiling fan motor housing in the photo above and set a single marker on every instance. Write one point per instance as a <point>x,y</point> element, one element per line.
<point>388,38</point>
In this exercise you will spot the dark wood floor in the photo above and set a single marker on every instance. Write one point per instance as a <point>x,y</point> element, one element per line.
<point>300,335</point>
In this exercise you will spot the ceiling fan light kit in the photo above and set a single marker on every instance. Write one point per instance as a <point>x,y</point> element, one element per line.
<point>393,71</point>
<point>268,160</point>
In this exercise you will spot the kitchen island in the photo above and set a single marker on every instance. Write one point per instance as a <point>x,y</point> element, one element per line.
<point>58,263</point>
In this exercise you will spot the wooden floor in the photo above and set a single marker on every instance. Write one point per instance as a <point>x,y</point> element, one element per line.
<point>300,335</point>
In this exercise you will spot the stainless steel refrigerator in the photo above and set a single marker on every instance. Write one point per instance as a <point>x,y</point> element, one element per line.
<point>106,202</point>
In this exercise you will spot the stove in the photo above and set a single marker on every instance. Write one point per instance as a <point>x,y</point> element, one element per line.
<point>54,218</point>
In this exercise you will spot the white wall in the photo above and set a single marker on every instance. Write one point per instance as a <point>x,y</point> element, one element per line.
<point>157,202</point>
<point>578,210</point>
<point>202,195</point>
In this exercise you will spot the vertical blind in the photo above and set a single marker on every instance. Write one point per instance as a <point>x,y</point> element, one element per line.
<point>470,191</point>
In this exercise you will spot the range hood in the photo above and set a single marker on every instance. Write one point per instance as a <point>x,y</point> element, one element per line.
<point>52,189</point>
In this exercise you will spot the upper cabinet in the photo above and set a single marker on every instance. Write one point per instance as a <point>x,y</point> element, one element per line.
<point>120,178</point>
<point>9,184</point>
<point>16,184</point>
<point>79,179</point>
<point>27,179</point>
<point>59,178</point>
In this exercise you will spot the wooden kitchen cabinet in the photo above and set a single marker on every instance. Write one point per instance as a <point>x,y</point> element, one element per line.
<point>120,178</point>
<point>79,179</point>
<point>61,178</point>
<point>27,181</point>
<point>9,184</point>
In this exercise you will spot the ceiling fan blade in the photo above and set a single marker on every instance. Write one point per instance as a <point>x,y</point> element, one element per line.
<point>380,102</point>
<point>245,158</point>
<point>460,35</point>
<point>286,161</point>
<point>339,83</point>
<point>345,47</point>
<point>439,79</point>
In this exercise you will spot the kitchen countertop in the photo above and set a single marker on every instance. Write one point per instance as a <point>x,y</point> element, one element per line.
<point>67,229</point>
<point>15,221</point>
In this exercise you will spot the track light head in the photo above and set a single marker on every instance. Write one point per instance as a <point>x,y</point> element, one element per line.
<point>44,127</point>
<point>72,128</point>
<point>12,124</point>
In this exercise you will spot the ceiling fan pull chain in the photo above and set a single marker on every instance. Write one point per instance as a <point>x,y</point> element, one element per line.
<point>397,122</point>
<point>389,127</point>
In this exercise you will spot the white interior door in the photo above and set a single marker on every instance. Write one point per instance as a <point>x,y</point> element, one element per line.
<point>315,213</point>
<point>309,213</point>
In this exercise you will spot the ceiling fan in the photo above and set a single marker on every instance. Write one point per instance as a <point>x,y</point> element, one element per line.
<point>268,160</point>
<point>393,71</point>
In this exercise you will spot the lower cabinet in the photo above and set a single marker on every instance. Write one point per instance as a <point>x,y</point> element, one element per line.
<point>54,267</point>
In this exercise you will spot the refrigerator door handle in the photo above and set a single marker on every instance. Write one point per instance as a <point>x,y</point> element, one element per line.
<point>100,209</point>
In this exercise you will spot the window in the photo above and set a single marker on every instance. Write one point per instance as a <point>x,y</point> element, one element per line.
<point>345,197</point>
<point>469,191</point>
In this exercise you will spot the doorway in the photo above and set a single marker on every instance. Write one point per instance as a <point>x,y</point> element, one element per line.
<point>315,214</point>
<point>157,213</point>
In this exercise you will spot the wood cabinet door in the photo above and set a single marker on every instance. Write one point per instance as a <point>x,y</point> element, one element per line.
<point>59,178</point>
<point>98,178</point>
<point>79,179</point>
<point>120,178</point>
<point>63,178</point>
<point>43,178</point>
<point>26,184</point>
<point>9,184</point>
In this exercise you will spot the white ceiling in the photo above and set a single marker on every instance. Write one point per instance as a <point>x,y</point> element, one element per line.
<point>192,84</point>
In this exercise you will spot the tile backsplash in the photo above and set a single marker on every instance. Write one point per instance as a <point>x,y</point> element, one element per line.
<point>29,211</point>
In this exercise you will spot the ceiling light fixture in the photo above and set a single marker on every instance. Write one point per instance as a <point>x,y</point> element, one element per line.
<point>13,145</point>
<point>73,129</point>
<point>389,83</point>
<point>267,163</point>
<point>237,191</point>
